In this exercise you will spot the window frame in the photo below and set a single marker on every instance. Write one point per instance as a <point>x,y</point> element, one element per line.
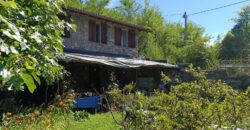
<point>98,38</point>
<point>124,32</point>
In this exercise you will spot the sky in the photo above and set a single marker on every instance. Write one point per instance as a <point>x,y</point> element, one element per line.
<point>215,22</point>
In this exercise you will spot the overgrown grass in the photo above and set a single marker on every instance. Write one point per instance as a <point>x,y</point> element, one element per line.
<point>65,121</point>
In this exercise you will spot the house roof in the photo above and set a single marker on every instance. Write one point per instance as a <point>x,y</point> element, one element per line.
<point>107,19</point>
<point>94,53</point>
<point>118,62</point>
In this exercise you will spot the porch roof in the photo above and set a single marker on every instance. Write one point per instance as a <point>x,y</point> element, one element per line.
<point>118,62</point>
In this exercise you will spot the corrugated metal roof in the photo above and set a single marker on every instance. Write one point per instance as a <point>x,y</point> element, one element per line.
<point>118,62</point>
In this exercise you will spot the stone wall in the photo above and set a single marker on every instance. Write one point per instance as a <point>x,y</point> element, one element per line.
<point>79,39</point>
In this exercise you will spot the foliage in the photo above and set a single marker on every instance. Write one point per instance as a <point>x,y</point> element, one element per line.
<point>44,119</point>
<point>30,40</point>
<point>129,9</point>
<point>200,104</point>
<point>131,106</point>
<point>81,116</point>
<point>43,115</point>
<point>235,45</point>
<point>74,3</point>
<point>96,6</point>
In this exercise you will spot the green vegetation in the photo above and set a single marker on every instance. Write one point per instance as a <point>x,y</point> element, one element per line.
<point>200,104</point>
<point>57,115</point>
<point>30,40</point>
<point>97,122</point>
<point>74,3</point>
<point>63,121</point>
<point>236,43</point>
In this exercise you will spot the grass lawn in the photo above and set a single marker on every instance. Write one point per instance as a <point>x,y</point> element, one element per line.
<point>96,122</point>
<point>59,121</point>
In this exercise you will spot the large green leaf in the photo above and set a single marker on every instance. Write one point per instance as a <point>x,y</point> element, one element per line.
<point>29,67</point>
<point>29,81</point>
<point>3,3</point>
<point>37,79</point>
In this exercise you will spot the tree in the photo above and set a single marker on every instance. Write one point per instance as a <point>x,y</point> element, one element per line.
<point>96,6</point>
<point>74,3</point>
<point>236,44</point>
<point>129,9</point>
<point>151,17</point>
<point>30,40</point>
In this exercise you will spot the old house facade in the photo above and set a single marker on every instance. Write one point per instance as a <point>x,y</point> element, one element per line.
<point>102,45</point>
<point>102,34</point>
<point>99,47</point>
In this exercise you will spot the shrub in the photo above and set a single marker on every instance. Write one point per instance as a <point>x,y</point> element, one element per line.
<point>59,109</point>
<point>200,104</point>
<point>81,116</point>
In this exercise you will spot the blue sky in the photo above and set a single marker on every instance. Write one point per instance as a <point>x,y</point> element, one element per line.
<point>215,22</point>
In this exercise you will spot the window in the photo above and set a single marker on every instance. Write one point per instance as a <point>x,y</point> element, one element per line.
<point>124,38</point>
<point>97,32</point>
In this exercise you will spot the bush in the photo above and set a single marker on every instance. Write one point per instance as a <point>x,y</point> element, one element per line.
<point>40,116</point>
<point>201,104</point>
<point>81,116</point>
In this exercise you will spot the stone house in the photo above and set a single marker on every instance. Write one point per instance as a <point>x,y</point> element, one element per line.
<point>98,33</point>
<point>103,45</point>
<point>99,47</point>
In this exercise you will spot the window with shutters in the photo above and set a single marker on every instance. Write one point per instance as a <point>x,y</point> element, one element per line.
<point>97,32</point>
<point>124,38</point>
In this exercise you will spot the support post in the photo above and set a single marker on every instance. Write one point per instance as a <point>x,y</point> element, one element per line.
<point>185,16</point>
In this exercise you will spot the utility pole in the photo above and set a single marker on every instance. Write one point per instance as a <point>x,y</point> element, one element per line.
<point>185,16</point>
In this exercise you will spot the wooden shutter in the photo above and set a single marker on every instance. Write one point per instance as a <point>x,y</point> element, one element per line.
<point>131,39</point>
<point>104,32</point>
<point>92,30</point>
<point>118,36</point>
